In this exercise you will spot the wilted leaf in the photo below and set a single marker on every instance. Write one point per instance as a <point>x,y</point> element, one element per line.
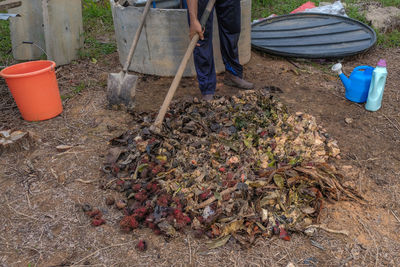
<point>217,196</point>
<point>308,210</point>
<point>218,242</point>
<point>232,227</point>
<point>279,181</point>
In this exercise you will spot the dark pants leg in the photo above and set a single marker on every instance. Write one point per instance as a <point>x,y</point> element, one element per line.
<point>229,24</point>
<point>204,57</point>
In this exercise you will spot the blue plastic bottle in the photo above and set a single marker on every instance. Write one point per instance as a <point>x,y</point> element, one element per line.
<point>374,101</point>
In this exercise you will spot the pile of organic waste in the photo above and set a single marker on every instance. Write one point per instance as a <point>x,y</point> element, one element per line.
<point>238,167</point>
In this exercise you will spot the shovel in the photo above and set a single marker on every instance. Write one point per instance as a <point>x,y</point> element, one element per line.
<point>156,127</point>
<point>121,87</point>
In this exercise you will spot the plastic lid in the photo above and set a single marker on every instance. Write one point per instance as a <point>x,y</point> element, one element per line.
<point>382,63</point>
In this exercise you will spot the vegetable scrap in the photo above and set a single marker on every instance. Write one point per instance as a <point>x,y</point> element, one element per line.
<point>240,167</point>
<point>141,245</point>
<point>95,214</point>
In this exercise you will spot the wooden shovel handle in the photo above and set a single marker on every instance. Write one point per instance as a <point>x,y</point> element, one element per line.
<point>175,83</point>
<point>137,36</point>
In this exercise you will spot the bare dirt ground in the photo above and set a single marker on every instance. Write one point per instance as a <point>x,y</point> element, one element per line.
<point>41,190</point>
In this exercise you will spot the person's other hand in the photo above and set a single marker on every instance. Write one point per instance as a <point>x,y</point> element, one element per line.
<point>195,28</point>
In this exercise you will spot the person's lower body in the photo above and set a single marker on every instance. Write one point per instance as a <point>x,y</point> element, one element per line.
<point>229,25</point>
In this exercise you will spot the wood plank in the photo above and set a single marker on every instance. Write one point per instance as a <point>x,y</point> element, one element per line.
<point>63,29</point>
<point>27,28</point>
<point>4,5</point>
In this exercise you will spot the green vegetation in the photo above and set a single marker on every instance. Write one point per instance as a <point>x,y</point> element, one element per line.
<point>5,42</point>
<point>264,8</point>
<point>75,90</point>
<point>98,24</point>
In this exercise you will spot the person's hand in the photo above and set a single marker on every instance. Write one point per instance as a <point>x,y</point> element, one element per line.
<point>195,28</point>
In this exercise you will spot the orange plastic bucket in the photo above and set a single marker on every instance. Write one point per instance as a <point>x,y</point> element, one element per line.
<point>35,89</point>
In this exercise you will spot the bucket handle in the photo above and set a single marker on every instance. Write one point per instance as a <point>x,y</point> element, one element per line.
<point>31,43</point>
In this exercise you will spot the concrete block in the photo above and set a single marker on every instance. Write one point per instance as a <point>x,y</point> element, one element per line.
<point>164,39</point>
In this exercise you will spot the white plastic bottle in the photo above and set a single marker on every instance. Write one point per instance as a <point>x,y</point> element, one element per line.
<point>374,101</point>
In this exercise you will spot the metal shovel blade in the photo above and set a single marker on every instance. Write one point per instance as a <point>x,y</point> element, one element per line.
<point>121,89</point>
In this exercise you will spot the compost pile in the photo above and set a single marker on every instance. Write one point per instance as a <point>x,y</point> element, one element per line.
<point>238,167</point>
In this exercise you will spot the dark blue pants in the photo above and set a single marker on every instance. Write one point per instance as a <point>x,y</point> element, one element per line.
<point>229,16</point>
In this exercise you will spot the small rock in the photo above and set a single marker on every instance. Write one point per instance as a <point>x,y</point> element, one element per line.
<point>348,120</point>
<point>110,201</point>
<point>310,231</point>
<point>347,167</point>
<point>63,148</point>
<point>264,215</point>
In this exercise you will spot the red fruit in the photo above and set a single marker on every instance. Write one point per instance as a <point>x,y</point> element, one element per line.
<point>229,176</point>
<point>204,195</point>
<point>94,214</point>
<point>142,245</point>
<point>133,223</point>
<point>178,214</point>
<point>187,219</point>
<point>222,169</point>
<point>120,182</point>
<point>115,168</point>
<point>152,226</point>
<point>283,234</point>
<point>136,187</point>
<point>152,187</point>
<point>163,200</point>
<point>140,213</point>
<point>157,231</point>
<point>129,222</point>
<point>157,169</point>
<point>141,196</point>
<point>98,222</point>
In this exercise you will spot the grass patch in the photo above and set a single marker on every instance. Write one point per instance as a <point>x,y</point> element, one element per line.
<point>5,42</point>
<point>98,22</point>
<point>75,90</point>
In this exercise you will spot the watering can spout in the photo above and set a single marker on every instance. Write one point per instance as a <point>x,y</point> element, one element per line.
<point>338,69</point>
<point>346,81</point>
